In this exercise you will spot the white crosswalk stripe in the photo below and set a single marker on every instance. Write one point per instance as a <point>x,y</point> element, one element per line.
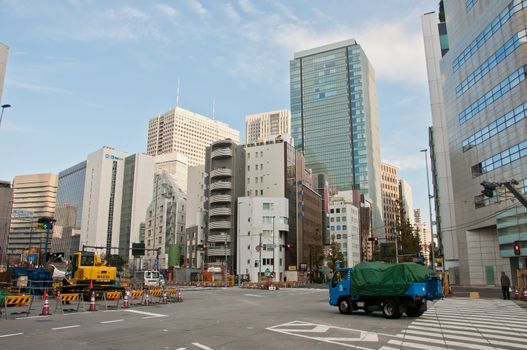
<point>467,324</point>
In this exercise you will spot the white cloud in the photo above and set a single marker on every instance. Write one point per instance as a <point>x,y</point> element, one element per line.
<point>231,12</point>
<point>406,162</point>
<point>247,7</point>
<point>166,10</point>
<point>395,52</point>
<point>36,87</point>
<point>198,7</point>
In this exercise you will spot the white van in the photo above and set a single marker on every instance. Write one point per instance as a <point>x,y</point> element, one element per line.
<point>151,279</point>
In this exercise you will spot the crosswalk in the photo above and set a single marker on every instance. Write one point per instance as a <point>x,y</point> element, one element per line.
<point>466,324</point>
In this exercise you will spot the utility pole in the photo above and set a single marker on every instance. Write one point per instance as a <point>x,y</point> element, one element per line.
<point>260,260</point>
<point>274,263</point>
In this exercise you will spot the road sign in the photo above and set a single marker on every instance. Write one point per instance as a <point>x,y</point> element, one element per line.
<point>22,213</point>
<point>156,265</point>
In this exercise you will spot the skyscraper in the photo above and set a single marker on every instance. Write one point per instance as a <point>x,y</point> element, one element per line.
<point>334,118</point>
<point>263,126</point>
<point>4,51</point>
<point>484,106</point>
<point>179,130</point>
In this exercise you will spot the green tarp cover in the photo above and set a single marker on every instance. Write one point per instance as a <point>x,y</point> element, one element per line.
<point>382,279</point>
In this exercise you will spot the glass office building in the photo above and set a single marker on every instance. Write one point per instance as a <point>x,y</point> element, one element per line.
<point>479,101</point>
<point>70,194</point>
<point>334,118</point>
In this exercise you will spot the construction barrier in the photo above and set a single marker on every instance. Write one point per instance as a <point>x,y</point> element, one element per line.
<point>137,295</point>
<point>174,295</point>
<point>68,297</point>
<point>17,300</point>
<point>112,296</point>
<point>158,293</point>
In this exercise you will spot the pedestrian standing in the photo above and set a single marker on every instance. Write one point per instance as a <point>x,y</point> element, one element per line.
<point>505,285</point>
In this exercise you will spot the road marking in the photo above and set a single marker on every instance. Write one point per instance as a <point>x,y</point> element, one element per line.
<point>254,295</point>
<point>65,327</point>
<point>151,314</point>
<point>112,321</point>
<point>406,344</point>
<point>202,346</point>
<point>10,335</point>
<point>25,318</point>
<point>181,349</point>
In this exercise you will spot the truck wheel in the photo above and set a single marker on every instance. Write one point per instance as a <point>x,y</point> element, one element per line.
<point>390,309</point>
<point>344,306</point>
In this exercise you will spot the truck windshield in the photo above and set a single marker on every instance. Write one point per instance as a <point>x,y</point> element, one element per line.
<point>338,276</point>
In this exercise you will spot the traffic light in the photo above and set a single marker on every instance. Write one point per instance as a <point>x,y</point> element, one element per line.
<point>376,240</point>
<point>288,246</point>
<point>517,250</point>
<point>488,188</point>
<point>45,223</point>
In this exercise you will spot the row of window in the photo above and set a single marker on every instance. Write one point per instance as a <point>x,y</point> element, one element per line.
<point>338,227</point>
<point>257,168</point>
<point>513,7</point>
<point>338,219</point>
<point>495,127</point>
<point>255,154</point>
<point>491,96</point>
<point>498,160</point>
<point>470,4</point>
<point>500,54</point>
<point>337,210</point>
<point>250,193</point>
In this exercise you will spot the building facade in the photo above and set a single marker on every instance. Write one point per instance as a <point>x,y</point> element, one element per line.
<point>165,224</point>
<point>390,200</point>
<point>265,126</point>
<point>102,199</point>
<point>484,102</point>
<point>175,164</point>
<point>195,216</point>
<point>344,226</point>
<point>225,166</point>
<point>334,118</point>
<point>4,52</point>
<point>406,201</point>
<point>179,130</point>
<point>261,233</point>
<point>34,196</point>
<point>6,204</point>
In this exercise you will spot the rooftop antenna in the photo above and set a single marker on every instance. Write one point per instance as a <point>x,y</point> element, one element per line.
<point>177,96</point>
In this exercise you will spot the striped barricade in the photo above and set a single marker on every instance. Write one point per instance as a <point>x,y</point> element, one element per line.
<point>158,293</point>
<point>174,295</point>
<point>17,300</point>
<point>67,298</point>
<point>136,295</point>
<point>112,296</point>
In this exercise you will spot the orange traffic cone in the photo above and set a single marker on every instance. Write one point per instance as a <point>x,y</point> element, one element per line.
<point>125,302</point>
<point>165,300</point>
<point>91,284</point>
<point>45,308</point>
<point>93,306</point>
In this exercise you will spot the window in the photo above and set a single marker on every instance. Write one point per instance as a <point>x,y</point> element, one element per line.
<point>339,236</point>
<point>256,180</point>
<point>331,211</point>
<point>261,153</point>
<point>332,219</point>
<point>498,160</point>
<point>256,166</point>
<point>337,211</point>
<point>338,227</point>
<point>261,166</point>
<point>343,219</point>
<point>261,192</point>
<point>248,168</point>
<point>343,210</point>
<point>344,227</point>
<point>268,206</point>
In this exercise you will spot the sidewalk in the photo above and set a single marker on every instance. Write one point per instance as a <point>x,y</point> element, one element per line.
<point>484,292</point>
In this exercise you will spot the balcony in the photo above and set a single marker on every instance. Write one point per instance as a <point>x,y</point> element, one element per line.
<point>220,198</point>
<point>218,238</point>
<point>220,185</point>
<point>224,142</point>
<point>220,225</point>
<point>221,153</point>
<point>220,211</point>
<point>218,251</point>
<point>222,172</point>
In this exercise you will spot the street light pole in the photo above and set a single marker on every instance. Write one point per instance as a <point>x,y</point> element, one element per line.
<point>2,113</point>
<point>274,263</point>
<point>430,210</point>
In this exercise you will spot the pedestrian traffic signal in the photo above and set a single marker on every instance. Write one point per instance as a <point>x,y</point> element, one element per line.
<point>488,188</point>
<point>288,246</point>
<point>517,250</point>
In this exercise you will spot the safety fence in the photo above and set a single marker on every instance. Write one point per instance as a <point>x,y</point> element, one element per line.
<point>67,299</point>
<point>16,301</point>
<point>272,285</point>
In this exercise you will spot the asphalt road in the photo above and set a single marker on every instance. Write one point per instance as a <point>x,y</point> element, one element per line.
<point>290,319</point>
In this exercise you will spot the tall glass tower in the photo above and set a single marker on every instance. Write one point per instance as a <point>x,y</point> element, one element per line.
<point>334,119</point>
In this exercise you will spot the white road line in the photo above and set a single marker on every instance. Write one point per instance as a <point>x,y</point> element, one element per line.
<point>462,326</point>
<point>475,320</point>
<point>25,318</point>
<point>254,295</point>
<point>10,335</point>
<point>112,321</point>
<point>153,315</point>
<point>201,346</point>
<point>405,344</point>
<point>65,327</point>
<point>387,348</point>
<point>181,349</point>
<point>444,342</point>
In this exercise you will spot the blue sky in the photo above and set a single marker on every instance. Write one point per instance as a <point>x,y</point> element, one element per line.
<point>83,74</point>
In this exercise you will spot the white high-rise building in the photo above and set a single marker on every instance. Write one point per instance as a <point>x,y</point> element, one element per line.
<point>407,202</point>
<point>344,226</point>
<point>101,207</point>
<point>262,127</point>
<point>262,229</point>
<point>176,164</point>
<point>179,130</point>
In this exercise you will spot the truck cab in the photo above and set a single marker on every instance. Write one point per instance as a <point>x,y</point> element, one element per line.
<point>339,287</point>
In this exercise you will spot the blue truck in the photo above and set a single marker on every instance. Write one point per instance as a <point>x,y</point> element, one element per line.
<point>394,289</point>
